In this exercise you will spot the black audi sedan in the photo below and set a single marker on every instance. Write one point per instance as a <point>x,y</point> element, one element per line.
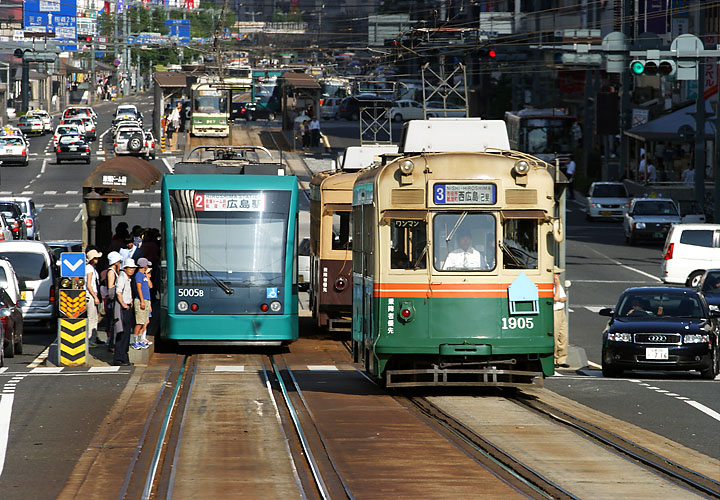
<point>72,147</point>
<point>661,328</point>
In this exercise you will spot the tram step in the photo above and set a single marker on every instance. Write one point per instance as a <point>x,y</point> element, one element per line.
<point>490,376</point>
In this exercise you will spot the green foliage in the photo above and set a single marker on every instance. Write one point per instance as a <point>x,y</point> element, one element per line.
<point>286,17</point>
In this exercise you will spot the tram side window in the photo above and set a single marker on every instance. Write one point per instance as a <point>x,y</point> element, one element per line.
<point>408,241</point>
<point>342,230</point>
<point>520,244</point>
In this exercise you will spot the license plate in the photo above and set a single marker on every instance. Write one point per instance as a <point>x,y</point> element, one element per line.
<point>656,353</point>
<point>658,235</point>
<point>26,295</point>
<point>73,148</point>
<point>606,213</point>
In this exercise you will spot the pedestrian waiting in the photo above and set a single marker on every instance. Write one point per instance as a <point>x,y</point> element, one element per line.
<point>124,318</point>
<point>141,303</point>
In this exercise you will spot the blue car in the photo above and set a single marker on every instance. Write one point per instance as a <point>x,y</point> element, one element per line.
<point>661,328</point>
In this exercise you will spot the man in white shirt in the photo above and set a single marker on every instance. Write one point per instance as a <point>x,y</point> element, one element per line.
<point>560,321</point>
<point>465,257</point>
<point>570,173</point>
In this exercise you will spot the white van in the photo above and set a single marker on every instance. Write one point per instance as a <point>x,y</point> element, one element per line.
<point>689,250</point>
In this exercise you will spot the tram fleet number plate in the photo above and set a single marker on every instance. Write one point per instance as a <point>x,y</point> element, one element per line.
<point>465,194</point>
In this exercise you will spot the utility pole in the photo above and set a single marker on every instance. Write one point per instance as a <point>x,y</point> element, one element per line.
<point>117,50</point>
<point>627,29</point>
<point>700,118</point>
<point>93,78</point>
<point>126,73</point>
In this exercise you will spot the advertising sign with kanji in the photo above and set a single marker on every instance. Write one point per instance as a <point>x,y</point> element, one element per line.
<point>53,16</point>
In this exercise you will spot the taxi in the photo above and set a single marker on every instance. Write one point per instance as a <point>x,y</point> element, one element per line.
<point>46,118</point>
<point>30,124</point>
<point>62,130</point>
<point>13,149</point>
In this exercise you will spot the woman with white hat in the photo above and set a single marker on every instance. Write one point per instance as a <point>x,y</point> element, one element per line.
<point>111,275</point>
<point>124,321</point>
<point>93,296</point>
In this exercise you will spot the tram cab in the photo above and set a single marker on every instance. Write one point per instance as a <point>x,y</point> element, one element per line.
<point>454,242</point>
<point>331,236</point>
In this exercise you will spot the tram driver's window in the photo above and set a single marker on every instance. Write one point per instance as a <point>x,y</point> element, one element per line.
<point>342,231</point>
<point>464,241</point>
<point>408,241</point>
<point>520,244</point>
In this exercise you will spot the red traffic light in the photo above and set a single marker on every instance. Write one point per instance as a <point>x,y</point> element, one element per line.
<point>491,54</point>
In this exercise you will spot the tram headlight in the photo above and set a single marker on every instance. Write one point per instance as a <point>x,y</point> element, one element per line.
<point>407,167</point>
<point>521,167</point>
<point>275,306</point>
<point>340,284</point>
<point>182,306</point>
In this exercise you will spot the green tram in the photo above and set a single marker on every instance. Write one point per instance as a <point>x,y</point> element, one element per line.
<point>454,243</point>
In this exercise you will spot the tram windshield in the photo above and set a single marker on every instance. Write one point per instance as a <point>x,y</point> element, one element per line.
<point>464,241</point>
<point>209,101</point>
<point>547,136</point>
<point>236,237</point>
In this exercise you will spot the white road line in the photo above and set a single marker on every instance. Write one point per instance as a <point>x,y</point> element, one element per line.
<point>72,192</point>
<point>47,369</point>
<point>167,165</point>
<point>77,217</point>
<point>710,412</point>
<point>630,268</point>
<point>6,402</point>
<point>103,369</point>
<point>40,359</point>
<point>44,166</point>
<point>230,368</point>
<point>323,368</point>
<point>594,309</point>
<point>594,365</point>
<point>3,369</point>
<point>49,192</point>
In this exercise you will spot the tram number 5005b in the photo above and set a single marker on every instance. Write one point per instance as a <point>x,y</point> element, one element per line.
<point>517,323</point>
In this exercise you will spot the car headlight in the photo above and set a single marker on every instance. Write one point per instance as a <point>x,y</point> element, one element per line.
<point>620,337</point>
<point>713,307</point>
<point>696,339</point>
<point>639,225</point>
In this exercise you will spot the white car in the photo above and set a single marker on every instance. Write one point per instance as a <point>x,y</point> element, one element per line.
<point>131,141</point>
<point>436,109</point>
<point>14,149</point>
<point>329,108</point>
<point>47,120</point>
<point>64,130</point>
<point>407,109</point>
<point>606,200</point>
<point>79,122</point>
<point>30,214</point>
<point>690,250</point>
<point>650,218</point>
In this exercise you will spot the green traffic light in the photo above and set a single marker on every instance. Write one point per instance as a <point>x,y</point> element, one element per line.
<point>637,67</point>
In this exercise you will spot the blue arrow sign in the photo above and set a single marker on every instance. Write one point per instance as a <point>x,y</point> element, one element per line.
<point>72,265</point>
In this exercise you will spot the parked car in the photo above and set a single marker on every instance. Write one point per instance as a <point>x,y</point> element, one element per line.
<point>649,219</point>
<point>407,109</point>
<point>330,108</point>
<point>9,279</point>
<point>72,147</point>
<point>61,246</point>
<point>29,213</point>
<point>606,200</point>
<point>350,106</point>
<point>31,125</point>
<point>689,250</point>
<point>36,270</point>
<point>304,264</point>
<point>252,111</point>
<point>14,149</point>
<point>435,109</point>
<point>661,328</point>
<point>691,212</point>
<point>46,118</point>
<point>11,318</point>
<point>15,218</point>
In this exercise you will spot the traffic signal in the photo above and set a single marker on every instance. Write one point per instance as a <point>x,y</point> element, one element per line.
<point>84,38</point>
<point>487,54</point>
<point>652,67</point>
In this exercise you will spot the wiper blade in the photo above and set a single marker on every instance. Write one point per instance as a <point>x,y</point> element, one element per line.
<point>455,227</point>
<point>219,283</point>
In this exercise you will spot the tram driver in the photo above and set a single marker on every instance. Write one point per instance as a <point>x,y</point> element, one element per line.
<point>465,257</point>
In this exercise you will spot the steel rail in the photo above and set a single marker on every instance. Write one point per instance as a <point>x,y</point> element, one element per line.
<point>171,481</point>
<point>651,460</point>
<point>322,488</point>
<point>147,491</point>
<point>530,478</point>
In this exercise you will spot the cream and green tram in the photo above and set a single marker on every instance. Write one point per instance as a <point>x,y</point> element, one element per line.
<point>453,257</point>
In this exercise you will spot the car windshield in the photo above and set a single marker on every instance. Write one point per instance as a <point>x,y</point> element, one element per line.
<point>655,208</point>
<point>609,191</point>
<point>29,266</point>
<point>66,130</point>
<point>9,209</point>
<point>711,284</point>
<point>71,139</point>
<point>674,304</point>
<point>128,133</point>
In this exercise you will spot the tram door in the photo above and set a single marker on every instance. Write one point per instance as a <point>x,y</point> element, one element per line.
<point>362,283</point>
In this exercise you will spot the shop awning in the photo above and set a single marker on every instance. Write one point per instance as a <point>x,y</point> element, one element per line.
<point>666,127</point>
<point>123,173</point>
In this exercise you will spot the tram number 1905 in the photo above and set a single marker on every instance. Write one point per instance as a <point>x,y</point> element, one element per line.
<point>517,323</point>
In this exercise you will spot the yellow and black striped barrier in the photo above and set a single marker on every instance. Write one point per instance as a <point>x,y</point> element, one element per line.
<point>73,343</point>
<point>162,144</point>
<point>72,303</point>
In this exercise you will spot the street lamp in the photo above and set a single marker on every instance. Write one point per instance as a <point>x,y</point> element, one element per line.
<point>92,201</point>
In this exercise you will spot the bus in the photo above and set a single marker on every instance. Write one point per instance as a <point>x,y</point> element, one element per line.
<point>210,109</point>
<point>228,258</point>
<point>454,243</point>
<point>544,133</point>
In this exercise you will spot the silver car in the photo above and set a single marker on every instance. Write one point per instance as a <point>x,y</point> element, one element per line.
<point>35,267</point>
<point>30,213</point>
<point>130,141</point>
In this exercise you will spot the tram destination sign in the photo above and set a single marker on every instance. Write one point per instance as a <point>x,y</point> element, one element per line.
<point>229,202</point>
<point>465,194</point>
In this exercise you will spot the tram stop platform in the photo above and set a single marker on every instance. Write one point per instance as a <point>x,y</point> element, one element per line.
<point>100,355</point>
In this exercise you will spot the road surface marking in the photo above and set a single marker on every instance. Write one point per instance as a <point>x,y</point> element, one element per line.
<point>3,369</point>
<point>322,368</point>
<point>630,268</point>
<point>77,217</point>
<point>230,368</point>
<point>168,166</point>
<point>40,359</point>
<point>103,369</point>
<point>47,369</point>
<point>711,413</point>
<point>6,402</point>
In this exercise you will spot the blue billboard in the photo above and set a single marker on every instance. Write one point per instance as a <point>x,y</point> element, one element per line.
<point>53,16</point>
<point>179,28</point>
